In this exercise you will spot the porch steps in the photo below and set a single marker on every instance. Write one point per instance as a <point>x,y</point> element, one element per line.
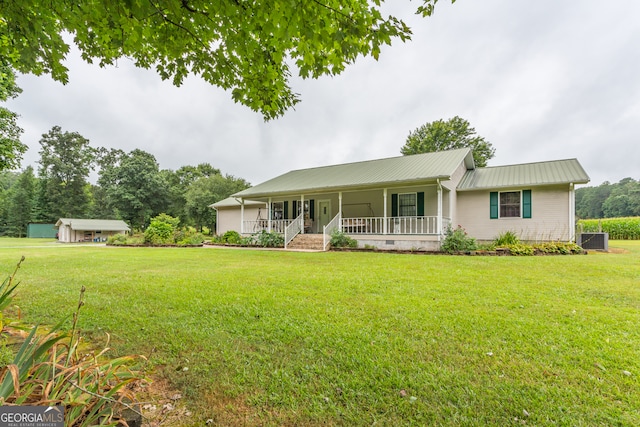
<point>312,242</point>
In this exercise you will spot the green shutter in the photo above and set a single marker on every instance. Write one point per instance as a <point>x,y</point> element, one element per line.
<point>286,210</point>
<point>493,203</point>
<point>312,209</point>
<point>294,214</point>
<point>526,203</point>
<point>420,202</point>
<point>394,205</point>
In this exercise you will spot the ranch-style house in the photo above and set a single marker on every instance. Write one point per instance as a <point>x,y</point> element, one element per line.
<point>408,202</point>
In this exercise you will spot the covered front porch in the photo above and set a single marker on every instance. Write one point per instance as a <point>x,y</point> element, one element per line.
<point>373,216</point>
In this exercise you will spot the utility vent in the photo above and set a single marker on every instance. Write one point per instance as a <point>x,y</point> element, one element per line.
<point>596,241</point>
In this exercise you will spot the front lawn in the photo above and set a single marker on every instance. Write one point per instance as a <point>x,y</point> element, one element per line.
<point>285,338</point>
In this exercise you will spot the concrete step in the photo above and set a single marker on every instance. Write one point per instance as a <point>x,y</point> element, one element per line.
<point>307,241</point>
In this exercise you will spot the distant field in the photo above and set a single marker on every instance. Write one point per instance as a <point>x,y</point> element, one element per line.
<point>316,339</point>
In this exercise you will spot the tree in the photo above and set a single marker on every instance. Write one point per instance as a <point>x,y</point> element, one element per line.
<point>7,181</point>
<point>207,190</point>
<point>11,149</point>
<point>179,182</point>
<point>134,186</point>
<point>22,203</point>
<point>443,135</point>
<point>609,200</point>
<point>244,47</point>
<point>65,162</point>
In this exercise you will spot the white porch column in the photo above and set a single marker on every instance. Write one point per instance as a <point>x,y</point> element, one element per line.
<point>439,211</point>
<point>302,212</point>
<point>572,213</point>
<point>384,212</point>
<point>340,210</point>
<point>241,216</point>
<point>269,217</point>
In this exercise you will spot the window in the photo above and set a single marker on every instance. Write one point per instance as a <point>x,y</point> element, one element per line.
<point>510,204</point>
<point>277,210</point>
<point>407,204</point>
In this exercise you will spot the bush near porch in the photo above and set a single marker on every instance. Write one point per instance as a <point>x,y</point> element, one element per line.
<point>349,338</point>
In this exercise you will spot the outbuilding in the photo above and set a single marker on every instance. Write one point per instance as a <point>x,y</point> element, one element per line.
<point>89,230</point>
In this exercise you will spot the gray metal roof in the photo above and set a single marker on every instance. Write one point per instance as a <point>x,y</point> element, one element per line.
<point>373,173</point>
<point>232,202</point>
<point>94,224</point>
<point>527,174</point>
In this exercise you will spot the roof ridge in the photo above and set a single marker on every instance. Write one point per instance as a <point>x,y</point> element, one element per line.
<point>378,160</point>
<point>525,164</point>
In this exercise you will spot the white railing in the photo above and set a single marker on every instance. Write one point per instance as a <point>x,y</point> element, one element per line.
<point>293,229</point>
<point>333,225</point>
<point>277,225</point>
<point>396,225</point>
<point>366,225</point>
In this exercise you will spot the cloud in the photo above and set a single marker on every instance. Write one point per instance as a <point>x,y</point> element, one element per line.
<point>540,80</point>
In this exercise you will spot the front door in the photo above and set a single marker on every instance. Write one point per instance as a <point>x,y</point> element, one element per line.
<point>324,213</point>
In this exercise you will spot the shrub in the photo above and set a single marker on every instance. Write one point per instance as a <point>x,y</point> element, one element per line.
<point>457,240</point>
<point>232,237</point>
<point>563,248</point>
<point>520,249</point>
<point>117,239</point>
<point>247,241</point>
<point>507,238</point>
<point>268,240</point>
<point>161,230</point>
<point>341,240</point>
<point>188,237</point>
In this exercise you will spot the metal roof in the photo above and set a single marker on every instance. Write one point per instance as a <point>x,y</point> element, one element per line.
<point>94,224</point>
<point>232,202</point>
<point>392,171</point>
<point>527,174</point>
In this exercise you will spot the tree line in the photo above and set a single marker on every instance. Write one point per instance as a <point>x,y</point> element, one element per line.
<point>607,200</point>
<point>130,186</point>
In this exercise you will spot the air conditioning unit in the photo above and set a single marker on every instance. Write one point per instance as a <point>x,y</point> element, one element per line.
<point>595,241</point>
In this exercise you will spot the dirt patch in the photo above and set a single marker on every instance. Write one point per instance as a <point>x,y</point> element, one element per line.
<point>161,405</point>
<point>618,251</point>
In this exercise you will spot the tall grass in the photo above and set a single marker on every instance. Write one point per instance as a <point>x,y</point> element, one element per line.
<point>618,228</point>
<point>282,338</point>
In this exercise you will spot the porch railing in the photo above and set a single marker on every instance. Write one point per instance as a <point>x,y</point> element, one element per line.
<point>333,225</point>
<point>396,225</point>
<point>277,225</point>
<point>293,229</point>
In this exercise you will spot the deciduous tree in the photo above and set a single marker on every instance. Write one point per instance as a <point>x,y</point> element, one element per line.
<point>207,190</point>
<point>66,158</point>
<point>245,47</point>
<point>21,203</point>
<point>443,135</point>
<point>134,186</point>
<point>11,149</point>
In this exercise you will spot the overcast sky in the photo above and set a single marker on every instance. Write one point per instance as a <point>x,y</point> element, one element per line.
<point>540,80</point>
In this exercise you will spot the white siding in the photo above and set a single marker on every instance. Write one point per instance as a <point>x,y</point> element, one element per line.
<point>450,204</point>
<point>549,216</point>
<point>229,218</point>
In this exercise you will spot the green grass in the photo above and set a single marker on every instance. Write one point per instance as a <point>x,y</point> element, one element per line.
<point>283,338</point>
